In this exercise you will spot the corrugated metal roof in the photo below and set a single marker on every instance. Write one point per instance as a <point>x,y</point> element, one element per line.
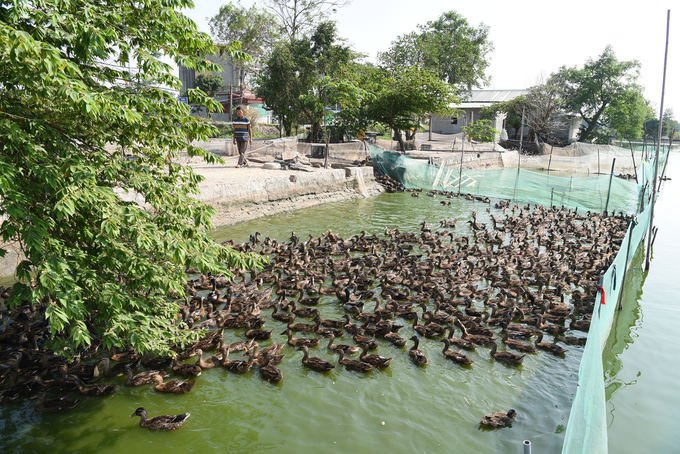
<point>481,98</point>
<point>489,96</point>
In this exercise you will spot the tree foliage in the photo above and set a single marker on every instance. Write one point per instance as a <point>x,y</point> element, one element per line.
<point>209,83</point>
<point>254,28</point>
<point>330,93</point>
<point>448,46</point>
<point>402,96</point>
<point>290,79</point>
<point>299,18</point>
<point>543,113</point>
<point>627,115</point>
<point>103,264</point>
<point>481,130</point>
<point>651,125</point>
<point>599,90</point>
<point>512,109</point>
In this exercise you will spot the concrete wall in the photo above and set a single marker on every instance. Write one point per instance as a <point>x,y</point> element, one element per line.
<point>286,185</point>
<point>444,125</point>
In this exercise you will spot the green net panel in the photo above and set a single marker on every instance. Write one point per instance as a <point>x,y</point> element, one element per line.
<point>595,193</point>
<point>587,427</point>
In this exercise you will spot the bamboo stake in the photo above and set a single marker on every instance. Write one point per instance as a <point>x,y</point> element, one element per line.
<point>632,155</point>
<point>625,267</point>
<point>611,177</point>
<point>656,161</point>
<point>521,139</point>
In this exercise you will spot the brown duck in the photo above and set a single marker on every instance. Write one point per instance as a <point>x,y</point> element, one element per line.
<point>162,422</point>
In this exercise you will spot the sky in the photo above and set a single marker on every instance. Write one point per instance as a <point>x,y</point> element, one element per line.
<point>530,38</point>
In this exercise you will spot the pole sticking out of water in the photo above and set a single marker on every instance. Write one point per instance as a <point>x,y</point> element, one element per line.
<point>658,144</point>
<point>527,447</point>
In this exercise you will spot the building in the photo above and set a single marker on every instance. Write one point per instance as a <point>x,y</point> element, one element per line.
<point>471,108</point>
<point>229,95</point>
<point>478,99</point>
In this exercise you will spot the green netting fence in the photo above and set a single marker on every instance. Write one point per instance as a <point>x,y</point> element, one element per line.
<point>595,193</point>
<point>587,427</point>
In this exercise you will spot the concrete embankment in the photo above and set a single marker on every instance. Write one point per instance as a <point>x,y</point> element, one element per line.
<point>252,192</point>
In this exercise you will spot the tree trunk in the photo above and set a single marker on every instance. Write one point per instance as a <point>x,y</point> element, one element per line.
<point>315,133</point>
<point>400,140</point>
<point>531,137</point>
<point>592,123</point>
<point>288,125</point>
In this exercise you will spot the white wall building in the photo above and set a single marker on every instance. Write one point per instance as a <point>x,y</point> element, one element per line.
<point>471,108</point>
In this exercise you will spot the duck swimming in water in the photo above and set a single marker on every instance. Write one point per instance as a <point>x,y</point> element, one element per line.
<point>498,419</point>
<point>161,422</point>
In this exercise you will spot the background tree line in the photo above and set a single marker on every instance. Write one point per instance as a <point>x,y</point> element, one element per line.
<point>301,67</point>
<point>604,93</point>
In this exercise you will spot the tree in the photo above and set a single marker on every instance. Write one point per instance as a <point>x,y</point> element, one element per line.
<point>448,46</point>
<point>402,96</point>
<point>103,267</point>
<point>670,124</point>
<point>543,112</point>
<point>651,125</point>
<point>299,18</point>
<point>254,28</point>
<point>341,95</point>
<point>209,83</point>
<point>598,89</point>
<point>628,114</point>
<point>277,87</point>
<point>512,109</point>
<point>480,130</point>
<point>287,82</point>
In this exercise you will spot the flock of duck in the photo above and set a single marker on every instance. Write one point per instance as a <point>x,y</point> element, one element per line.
<point>526,274</point>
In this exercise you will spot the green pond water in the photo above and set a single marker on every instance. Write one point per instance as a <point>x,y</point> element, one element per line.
<point>404,408</point>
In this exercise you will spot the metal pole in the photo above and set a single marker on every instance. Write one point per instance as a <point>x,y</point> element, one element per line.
<point>527,447</point>
<point>462,153</point>
<point>430,138</point>
<point>598,161</point>
<point>325,162</point>
<point>656,160</point>
<point>611,177</point>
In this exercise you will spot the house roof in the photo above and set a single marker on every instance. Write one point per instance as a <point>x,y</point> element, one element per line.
<point>481,98</point>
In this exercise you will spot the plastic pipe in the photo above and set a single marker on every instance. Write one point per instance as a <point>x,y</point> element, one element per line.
<point>527,447</point>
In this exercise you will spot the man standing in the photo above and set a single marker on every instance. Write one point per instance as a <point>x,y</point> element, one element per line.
<point>242,136</point>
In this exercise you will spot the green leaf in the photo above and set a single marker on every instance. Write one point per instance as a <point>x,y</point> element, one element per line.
<point>105,262</point>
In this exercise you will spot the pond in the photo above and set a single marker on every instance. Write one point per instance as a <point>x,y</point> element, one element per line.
<point>403,408</point>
